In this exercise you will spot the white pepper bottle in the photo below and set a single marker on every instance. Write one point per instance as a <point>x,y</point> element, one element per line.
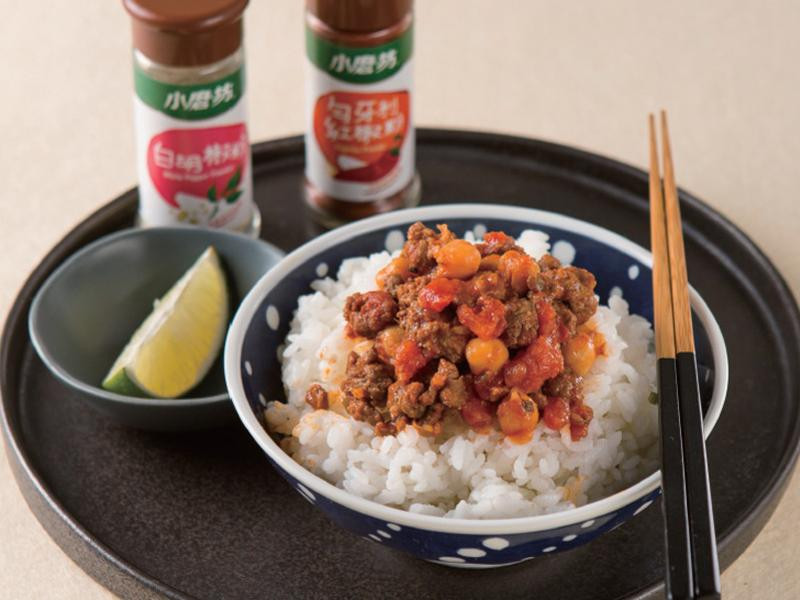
<point>193,149</point>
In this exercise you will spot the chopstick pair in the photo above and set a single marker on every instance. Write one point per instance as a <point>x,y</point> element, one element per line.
<point>691,549</point>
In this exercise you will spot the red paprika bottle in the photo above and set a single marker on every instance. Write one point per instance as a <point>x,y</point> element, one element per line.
<point>359,127</point>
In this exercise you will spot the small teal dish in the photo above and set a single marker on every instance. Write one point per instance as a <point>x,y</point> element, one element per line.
<point>89,307</point>
<point>252,372</point>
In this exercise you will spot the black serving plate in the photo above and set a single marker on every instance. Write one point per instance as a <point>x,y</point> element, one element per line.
<point>204,515</point>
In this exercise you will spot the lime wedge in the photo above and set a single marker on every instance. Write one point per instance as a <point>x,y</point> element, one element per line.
<point>175,346</point>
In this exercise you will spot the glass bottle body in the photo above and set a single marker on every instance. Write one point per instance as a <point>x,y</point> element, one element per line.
<point>193,151</point>
<point>360,139</point>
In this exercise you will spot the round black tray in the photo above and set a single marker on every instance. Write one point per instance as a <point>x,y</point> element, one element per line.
<point>204,515</point>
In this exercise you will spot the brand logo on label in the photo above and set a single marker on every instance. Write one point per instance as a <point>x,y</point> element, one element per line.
<point>190,102</point>
<point>359,65</point>
<point>361,134</point>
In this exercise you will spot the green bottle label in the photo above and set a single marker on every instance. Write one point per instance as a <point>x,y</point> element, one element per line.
<point>190,102</point>
<point>359,65</point>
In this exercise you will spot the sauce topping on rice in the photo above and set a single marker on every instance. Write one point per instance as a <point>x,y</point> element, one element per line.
<point>483,331</point>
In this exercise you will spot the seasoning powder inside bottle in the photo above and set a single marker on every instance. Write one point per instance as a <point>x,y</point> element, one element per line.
<point>193,151</point>
<point>359,129</point>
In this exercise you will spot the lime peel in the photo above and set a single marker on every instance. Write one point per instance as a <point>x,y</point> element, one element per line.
<point>175,346</point>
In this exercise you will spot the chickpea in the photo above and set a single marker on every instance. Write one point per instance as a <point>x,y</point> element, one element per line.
<point>397,268</point>
<point>518,416</point>
<point>458,259</point>
<point>580,353</point>
<point>490,263</point>
<point>387,342</point>
<point>598,339</point>
<point>517,268</point>
<point>486,355</point>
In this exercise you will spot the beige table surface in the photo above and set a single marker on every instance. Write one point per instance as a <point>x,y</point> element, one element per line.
<point>581,73</point>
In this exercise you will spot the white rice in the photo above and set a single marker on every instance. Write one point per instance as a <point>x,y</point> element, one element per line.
<point>468,475</point>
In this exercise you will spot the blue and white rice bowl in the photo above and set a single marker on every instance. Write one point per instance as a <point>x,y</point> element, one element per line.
<point>254,377</point>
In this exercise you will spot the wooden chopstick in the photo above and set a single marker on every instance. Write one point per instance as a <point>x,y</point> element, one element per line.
<point>679,578</point>
<point>698,493</point>
<point>679,279</point>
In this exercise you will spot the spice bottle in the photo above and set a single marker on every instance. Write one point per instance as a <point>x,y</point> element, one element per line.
<point>359,129</point>
<point>193,151</point>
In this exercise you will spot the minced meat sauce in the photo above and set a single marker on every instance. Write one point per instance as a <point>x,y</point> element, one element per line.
<point>480,330</point>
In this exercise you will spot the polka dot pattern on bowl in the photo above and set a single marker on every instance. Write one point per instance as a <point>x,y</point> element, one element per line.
<point>273,318</point>
<point>451,559</point>
<point>394,240</point>
<point>564,251</point>
<point>471,552</point>
<point>496,543</point>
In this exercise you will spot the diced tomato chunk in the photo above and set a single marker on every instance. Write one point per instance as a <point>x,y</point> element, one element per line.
<point>489,386</point>
<point>497,242</point>
<point>579,418</point>
<point>534,365</point>
<point>556,413</point>
<point>488,321</point>
<point>478,414</point>
<point>408,360</point>
<point>548,319</point>
<point>518,416</point>
<point>439,293</point>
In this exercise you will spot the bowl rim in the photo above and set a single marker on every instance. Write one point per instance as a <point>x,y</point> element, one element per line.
<point>40,345</point>
<point>586,514</point>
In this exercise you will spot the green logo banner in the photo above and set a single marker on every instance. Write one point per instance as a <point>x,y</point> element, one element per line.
<point>359,65</point>
<point>190,102</point>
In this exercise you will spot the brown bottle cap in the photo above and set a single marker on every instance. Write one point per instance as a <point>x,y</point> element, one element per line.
<point>185,33</point>
<point>359,16</point>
